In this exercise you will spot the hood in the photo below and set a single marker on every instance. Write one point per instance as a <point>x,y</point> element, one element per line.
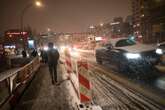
<point>138,48</point>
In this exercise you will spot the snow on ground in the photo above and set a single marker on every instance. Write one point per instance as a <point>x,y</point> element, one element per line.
<point>110,94</point>
<point>42,95</point>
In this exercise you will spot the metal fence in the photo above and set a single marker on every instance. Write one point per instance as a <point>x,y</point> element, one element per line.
<point>13,82</point>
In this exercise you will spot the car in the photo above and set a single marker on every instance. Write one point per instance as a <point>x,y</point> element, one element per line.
<point>126,54</point>
<point>160,50</point>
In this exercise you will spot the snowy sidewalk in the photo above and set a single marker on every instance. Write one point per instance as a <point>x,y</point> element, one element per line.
<point>42,95</point>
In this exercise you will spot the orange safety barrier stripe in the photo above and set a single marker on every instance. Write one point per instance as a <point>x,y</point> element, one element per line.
<point>84,98</point>
<point>68,62</point>
<point>84,64</point>
<point>84,81</point>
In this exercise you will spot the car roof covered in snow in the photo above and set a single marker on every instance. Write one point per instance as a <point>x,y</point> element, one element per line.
<point>138,47</point>
<point>160,44</point>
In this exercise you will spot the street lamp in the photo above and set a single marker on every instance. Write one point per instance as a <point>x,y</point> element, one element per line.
<point>37,4</point>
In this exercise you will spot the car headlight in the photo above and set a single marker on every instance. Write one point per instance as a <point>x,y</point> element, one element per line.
<point>46,48</point>
<point>133,55</point>
<point>159,51</point>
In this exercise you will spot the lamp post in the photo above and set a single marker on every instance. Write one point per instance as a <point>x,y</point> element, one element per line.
<point>37,4</point>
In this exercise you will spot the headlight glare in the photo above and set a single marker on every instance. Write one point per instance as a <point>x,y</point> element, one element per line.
<point>133,55</point>
<point>159,51</point>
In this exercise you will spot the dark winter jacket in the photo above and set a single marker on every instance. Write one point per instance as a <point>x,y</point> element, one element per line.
<point>53,56</point>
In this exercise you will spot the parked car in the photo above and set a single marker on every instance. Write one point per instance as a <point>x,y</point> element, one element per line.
<point>127,54</point>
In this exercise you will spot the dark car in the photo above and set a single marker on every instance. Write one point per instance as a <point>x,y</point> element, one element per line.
<point>127,54</point>
<point>160,50</point>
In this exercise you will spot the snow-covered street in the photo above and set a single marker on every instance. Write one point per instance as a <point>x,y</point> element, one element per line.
<point>111,94</point>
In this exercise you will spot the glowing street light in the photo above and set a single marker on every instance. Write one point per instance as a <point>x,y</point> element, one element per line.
<point>38,4</point>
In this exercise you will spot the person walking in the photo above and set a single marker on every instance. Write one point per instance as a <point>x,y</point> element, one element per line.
<point>53,56</point>
<point>34,53</point>
<point>24,55</point>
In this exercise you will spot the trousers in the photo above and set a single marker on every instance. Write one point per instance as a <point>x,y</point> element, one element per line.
<point>53,72</point>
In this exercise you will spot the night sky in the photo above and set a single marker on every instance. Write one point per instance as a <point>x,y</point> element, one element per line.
<point>62,15</point>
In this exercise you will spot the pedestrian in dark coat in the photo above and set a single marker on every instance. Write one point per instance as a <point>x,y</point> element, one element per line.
<point>44,56</point>
<point>24,54</point>
<point>53,57</point>
<point>34,53</point>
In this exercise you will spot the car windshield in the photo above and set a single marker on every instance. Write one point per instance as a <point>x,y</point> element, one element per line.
<point>162,46</point>
<point>125,42</point>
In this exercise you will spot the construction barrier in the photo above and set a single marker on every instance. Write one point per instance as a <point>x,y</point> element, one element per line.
<point>13,83</point>
<point>71,70</point>
<point>84,82</point>
<point>78,70</point>
<point>68,61</point>
<point>76,65</point>
<point>79,76</point>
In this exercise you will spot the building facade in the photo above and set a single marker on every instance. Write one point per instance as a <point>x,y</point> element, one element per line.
<point>149,20</point>
<point>137,16</point>
<point>120,27</point>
